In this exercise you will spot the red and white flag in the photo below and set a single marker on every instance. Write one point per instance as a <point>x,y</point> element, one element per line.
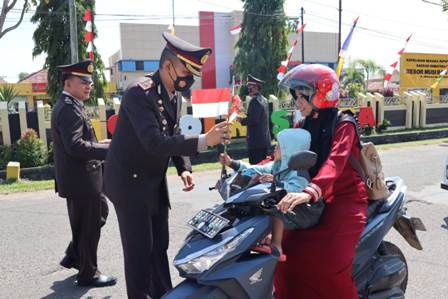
<point>235,108</point>
<point>393,66</point>
<point>283,68</point>
<point>210,102</point>
<point>235,30</point>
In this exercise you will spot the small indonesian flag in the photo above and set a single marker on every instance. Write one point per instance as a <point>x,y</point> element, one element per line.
<point>235,30</point>
<point>440,78</point>
<point>235,108</point>
<point>210,102</point>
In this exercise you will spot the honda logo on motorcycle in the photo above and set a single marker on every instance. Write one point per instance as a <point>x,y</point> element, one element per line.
<point>256,277</point>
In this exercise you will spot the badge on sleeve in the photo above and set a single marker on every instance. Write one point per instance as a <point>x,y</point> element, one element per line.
<point>145,83</point>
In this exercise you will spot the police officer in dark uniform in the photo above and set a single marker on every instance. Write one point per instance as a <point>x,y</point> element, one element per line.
<point>257,122</point>
<point>146,137</point>
<point>78,173</point>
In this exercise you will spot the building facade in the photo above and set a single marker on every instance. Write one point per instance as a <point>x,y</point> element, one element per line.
<point>138,56</point>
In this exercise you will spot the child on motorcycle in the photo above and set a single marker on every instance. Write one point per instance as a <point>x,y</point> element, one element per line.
<point>290,141</point>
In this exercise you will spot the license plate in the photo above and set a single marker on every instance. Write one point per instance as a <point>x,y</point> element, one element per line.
<point>207,223</point>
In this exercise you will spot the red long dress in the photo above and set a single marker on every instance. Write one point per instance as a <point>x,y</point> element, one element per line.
<point>319,260</point>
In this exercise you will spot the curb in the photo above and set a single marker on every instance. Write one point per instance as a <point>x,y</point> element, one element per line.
<point>405,137</point>
<point>211,156</point>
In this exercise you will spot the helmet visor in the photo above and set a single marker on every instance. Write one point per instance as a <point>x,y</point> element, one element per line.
<point>304,90</point>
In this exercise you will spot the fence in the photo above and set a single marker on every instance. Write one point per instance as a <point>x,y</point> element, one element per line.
<point>412,110</point>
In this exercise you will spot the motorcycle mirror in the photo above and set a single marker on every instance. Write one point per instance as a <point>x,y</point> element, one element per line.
<point>302,160</point>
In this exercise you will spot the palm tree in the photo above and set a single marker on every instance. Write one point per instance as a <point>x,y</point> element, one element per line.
<point>371,68</point>
<point>7,93</point>
<point>352,80</point>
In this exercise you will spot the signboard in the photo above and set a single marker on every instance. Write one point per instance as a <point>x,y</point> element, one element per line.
<point>420,71</point>
<point>39,87</point>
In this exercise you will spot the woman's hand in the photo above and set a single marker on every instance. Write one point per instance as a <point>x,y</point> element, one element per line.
<point>267,177</point>
<point>225,159</point>
<point>291,200</point>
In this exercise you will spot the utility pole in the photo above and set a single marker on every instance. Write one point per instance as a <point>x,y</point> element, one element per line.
<point>340,23</point>
<point>73,31</point>
<point>173,13</point>
<point>303,35</point>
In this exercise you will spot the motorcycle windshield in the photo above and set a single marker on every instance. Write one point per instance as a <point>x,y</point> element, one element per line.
<point>236,183</point>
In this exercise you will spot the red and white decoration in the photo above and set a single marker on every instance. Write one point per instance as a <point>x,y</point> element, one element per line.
<point>283,68</point>
<point>235,108</point>
<point>210,102</point>
<point>88,37</point>
<point>393,66</point>
<point>235,30</point>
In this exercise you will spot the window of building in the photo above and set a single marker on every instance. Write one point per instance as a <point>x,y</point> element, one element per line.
<point>126,65</point>
<point>151,65</point>
<point>139,65</point>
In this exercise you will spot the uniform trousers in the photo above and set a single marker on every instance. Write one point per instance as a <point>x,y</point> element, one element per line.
<point>145,239</point>
<point>256,155</point>
<point>87,215</point>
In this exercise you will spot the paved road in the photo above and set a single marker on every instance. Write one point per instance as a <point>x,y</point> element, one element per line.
<point>34,232</point>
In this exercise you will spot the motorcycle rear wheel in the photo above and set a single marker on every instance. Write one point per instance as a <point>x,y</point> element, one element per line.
<point>389,248</point>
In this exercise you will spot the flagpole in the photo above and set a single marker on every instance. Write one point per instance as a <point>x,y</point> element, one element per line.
<point>223,168</point>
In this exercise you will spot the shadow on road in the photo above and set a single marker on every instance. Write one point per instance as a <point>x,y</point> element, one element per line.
<point>67,289</point>
<point>445,226</point>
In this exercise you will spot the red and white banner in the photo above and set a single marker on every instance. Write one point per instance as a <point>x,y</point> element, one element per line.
<point>210,102</point>
<point>88,37</point>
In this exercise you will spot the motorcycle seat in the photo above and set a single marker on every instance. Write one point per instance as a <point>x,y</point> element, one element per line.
<point>373,208</point>
<point>376,206</point>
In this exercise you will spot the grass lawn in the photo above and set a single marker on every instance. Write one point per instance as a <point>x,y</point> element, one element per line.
<point>25,186</point>
<point>7,187</point>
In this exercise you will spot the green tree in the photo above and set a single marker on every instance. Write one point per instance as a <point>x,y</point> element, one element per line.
<point>352,80</point>
<point>7,93</point>
<point>52,37</point>
<point>262,41</point>
<point>444,5</point>
<point>371,68</point>
<point>23,75</point>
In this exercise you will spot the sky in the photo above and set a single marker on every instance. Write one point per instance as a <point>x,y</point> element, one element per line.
<point>382,28</point>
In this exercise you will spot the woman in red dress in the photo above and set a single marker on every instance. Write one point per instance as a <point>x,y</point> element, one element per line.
<point>319,260</point>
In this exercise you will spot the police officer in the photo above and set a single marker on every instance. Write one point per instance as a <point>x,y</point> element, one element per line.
<point>78,173</point>
<point>257,122</point>
<point>145,139</point>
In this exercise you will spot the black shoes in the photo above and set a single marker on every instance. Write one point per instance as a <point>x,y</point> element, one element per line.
<point>98,281</point>
<point>68,262</point>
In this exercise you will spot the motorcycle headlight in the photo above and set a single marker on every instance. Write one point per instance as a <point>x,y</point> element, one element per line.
<point>207,260</point>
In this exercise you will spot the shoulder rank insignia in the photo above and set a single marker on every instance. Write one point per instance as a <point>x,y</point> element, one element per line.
<point>67,100</point>
<point>145,83</point>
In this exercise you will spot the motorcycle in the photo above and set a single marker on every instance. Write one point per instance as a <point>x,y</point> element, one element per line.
<point>221,258</point>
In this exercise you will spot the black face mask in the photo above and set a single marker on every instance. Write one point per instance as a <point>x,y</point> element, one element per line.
<point>189,80</point>
<point>252,89</point>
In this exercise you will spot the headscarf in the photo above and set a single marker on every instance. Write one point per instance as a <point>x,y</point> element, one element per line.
<point>321,125</point>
